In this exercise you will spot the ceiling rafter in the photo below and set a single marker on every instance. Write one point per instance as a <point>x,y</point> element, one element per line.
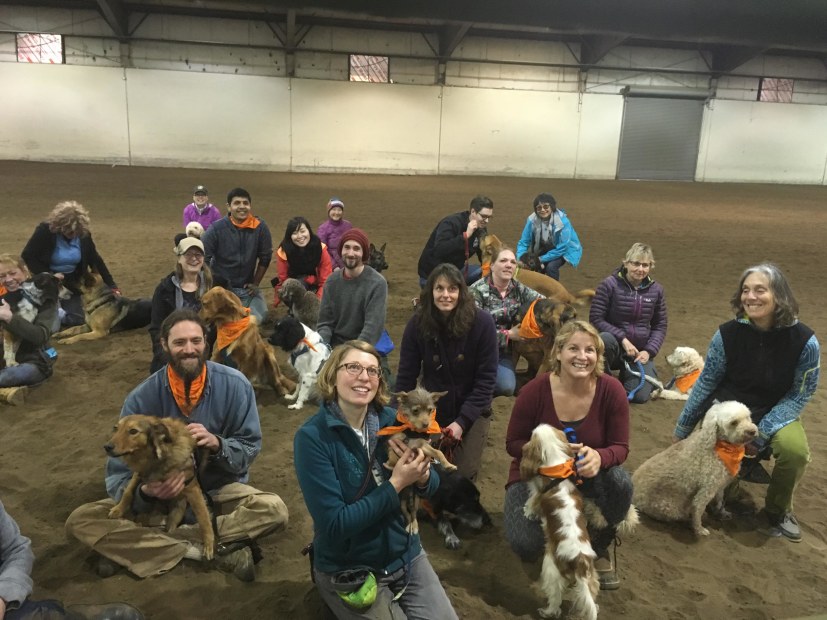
<point>450,36</point>
<point>727,58</point>
<point>115,14</point>
<point>595,47</point>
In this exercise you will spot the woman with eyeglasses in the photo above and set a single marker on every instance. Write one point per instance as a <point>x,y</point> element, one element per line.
<point>629,310</point>
<point>453,345</point>
<point>360,538</point>
<point>549,241</point>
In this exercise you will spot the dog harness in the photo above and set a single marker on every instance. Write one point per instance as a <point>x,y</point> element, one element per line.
<point>405,425</point>
<point>308,346</point>
<point>731,455</point>
<point>229,332</point>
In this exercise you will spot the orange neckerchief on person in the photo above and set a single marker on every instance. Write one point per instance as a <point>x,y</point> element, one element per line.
<point>529,328</point>
<point>563,470</point>
<point>433,427</point>
<point>229,332</point>
<point>177,386</point>
<point>731,455</point>
<point>250,222</point>
<point>685,383</point>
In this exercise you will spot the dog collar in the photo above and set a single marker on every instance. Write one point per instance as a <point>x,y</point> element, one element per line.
<point>405,425</point>
<point>731,455</point>
<point>561,471</point>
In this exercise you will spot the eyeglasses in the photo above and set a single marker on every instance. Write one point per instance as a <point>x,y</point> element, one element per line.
<point>354,369</point>
<point>543,206</point>
<point>485,218</point>
<point>636,264</point>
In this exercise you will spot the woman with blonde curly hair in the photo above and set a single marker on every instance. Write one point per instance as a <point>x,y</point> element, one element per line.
<point>576,394</point>
<point>365,563</point>
<point>63,245</point>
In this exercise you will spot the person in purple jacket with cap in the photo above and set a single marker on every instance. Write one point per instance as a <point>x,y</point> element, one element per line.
<point>201,210</point>
<point>629,311</point>
<point>332,229</point>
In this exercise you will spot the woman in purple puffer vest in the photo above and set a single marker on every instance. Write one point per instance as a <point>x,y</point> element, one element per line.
<point>629,311</point>
<point>332,229</point>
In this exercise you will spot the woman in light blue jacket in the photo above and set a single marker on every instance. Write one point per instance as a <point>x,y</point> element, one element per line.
<point>548,240</point>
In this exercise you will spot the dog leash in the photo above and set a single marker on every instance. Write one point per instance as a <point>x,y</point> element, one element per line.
<point>641,373</point>
<point>571,435</point>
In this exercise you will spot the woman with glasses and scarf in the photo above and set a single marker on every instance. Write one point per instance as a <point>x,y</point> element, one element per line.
<point>548,241</point>
<point>365,562</point>
<point>629,311</point>
<point>453,345</point>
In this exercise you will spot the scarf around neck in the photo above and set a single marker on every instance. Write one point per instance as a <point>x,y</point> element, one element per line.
<point>179,392</point>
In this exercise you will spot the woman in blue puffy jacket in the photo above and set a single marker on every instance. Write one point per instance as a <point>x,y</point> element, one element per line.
<point>629,311</point>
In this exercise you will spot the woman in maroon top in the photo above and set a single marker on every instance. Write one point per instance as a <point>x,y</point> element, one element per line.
<point>576,394</point>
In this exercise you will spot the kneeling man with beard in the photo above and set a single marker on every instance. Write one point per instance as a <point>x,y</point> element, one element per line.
<point>219,407</point>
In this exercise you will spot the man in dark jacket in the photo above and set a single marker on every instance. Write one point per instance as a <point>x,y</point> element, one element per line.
<point>456,238</point>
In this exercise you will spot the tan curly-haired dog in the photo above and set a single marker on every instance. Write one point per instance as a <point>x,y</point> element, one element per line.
<point>678,483</point>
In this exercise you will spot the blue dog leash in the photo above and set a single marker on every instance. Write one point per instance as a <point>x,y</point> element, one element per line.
<point>572,437</point>
<point>641,373</point>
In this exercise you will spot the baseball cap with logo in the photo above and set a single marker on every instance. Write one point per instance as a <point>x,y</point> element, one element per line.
<point>200,189</point>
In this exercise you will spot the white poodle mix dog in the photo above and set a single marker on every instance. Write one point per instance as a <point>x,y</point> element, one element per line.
<point>568,564</point>
<point>678,483</point>
<point>194,229</point>
<point>686,364</point>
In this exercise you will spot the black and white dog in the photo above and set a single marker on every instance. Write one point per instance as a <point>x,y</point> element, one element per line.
<point>307,355</point>
<point>41,290</point>
<point>457,499</point>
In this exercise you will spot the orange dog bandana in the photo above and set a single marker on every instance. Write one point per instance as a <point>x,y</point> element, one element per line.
<point>731,455</point>
<point>228,333</point>
<point>3,290</point>
<point>250,222</point>
<point>529,328</point>
<point>486,269</point>
<point>685,383</point>
<point>563,470</point>
<point>177,386</point>
<point>405,425</point>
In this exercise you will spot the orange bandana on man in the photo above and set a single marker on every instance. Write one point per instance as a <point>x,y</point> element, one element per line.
<point>250,222</point>
<point>179,392</point>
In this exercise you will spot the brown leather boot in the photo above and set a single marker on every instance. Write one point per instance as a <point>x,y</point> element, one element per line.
<point>13,395</point>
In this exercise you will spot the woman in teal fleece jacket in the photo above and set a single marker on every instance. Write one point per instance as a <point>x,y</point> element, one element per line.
<point>354,500</point>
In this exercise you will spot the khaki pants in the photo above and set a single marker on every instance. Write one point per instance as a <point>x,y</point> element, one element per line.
<point>242,512</point>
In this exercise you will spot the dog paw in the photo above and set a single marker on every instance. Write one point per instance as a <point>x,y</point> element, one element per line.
<point>452,541</point>
<point>295,406</point>
<point>290,397</point>
<point>450,467</point>
<point>547,612</point>
<point>702,531</point>
<point>116,513</point>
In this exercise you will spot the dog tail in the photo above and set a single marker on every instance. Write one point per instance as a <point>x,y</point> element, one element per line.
<point>628,525</point>
<point>584,297</point>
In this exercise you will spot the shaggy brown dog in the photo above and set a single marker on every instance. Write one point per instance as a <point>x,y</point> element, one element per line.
<point>549,316</point>
<point>303,304</point>
<point>154,448</point>
<point>678,483</point>
<point>105,311</point>
<point>540,282</point>
<point>247,350</point>
<point>417,415</point>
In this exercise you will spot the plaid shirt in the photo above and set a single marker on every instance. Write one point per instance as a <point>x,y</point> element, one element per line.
<point>504,309</point>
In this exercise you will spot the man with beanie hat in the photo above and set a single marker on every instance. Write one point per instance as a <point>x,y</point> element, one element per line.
<point>456,238</point>
<point>355,297</point>
<point>548,238</point>
<point>332,229</point>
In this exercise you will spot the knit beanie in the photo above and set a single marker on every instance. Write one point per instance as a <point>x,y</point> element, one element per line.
<point>335,202</point>
<point>545,197</point>
<point>359,236</point>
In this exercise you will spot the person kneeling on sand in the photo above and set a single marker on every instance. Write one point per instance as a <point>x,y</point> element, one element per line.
<point>219,407</point>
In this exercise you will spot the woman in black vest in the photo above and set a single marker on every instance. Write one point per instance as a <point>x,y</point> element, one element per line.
<point>768,360</point>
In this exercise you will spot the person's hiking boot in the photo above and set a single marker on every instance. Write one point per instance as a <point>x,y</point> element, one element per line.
<point>14,395</point>
<point>104,567</point>
<point>785,525</point>
<point>606,573</point>
<point>239,562</point>
<point>106,611</point>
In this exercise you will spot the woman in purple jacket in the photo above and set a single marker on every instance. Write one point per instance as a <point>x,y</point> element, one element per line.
<point>629,311</point>
<point>454,345</point>
<point>331,230</point>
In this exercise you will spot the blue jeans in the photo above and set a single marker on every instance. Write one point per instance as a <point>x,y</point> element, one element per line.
<point>614,361</point>
<point>423,598</point>
<point>22,374</point>
<point>256,303</point>
<point>506,382</point>
<point>73,311</point>
<point>552,268</point>
<point>48,609</point>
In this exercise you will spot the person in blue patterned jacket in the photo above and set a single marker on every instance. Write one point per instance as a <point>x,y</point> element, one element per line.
<point>768,360</point>
<point>629,311</point>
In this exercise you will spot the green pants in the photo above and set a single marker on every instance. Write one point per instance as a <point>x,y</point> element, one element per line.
<point>791,453</point>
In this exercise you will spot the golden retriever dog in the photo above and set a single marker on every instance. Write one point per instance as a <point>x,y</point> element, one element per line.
<point>678,483</point>
<point>105,312</point>
<point>686,364</point>
<point>246,349</point>
<point>417,416</point>
<point>546,317</point>
<point>540,282</point>
<point>154,448</point>
<point>568,571</point>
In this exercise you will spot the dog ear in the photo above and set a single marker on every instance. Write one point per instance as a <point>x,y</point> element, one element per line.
<point>532,459</point>
<point>402,397</point>
<point>709,426</point>
<point>437,395</point>
<point>158,435</point>
<point>382,249</point>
